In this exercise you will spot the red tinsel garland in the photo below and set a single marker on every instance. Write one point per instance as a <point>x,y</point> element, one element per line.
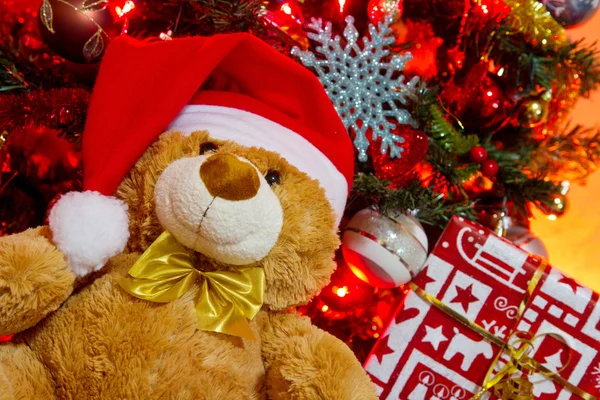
<point>62,109</point>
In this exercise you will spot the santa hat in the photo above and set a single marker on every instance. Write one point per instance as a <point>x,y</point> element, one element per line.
<point>235,86</point>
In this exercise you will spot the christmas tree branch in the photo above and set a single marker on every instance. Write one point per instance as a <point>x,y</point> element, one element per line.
<point>432,208</point>
<point>429,110</point>
<point>582,60</point>
<point>527,66</point>
<point>10,77</point>
<point>444,133</point>
<point>453,170</point>
<point>230,16</point>
<point>518,185</point>
<point>202,17</point>
<point>572,154</point>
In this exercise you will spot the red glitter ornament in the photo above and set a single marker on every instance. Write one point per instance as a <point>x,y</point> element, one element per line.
<point>489,168</point>
<point>415,147</point>
<point>478,154</point>
<point>489,100</point>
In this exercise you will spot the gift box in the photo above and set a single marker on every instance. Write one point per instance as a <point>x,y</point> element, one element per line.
<point>466,318</point>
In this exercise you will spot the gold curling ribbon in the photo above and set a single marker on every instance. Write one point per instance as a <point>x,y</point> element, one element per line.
<point>226,300</point>
<point>506,386</point>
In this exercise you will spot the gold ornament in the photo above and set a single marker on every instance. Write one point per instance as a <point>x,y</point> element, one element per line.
<point>534,110</point>
<point>531,18</point>
<point>3,139</point>
<point>226,299</point>
<point>379,9</point>
<point>559,204</point>
<point>558,207</point>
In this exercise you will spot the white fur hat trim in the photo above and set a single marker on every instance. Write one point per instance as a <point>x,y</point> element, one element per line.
<point>251,130</point>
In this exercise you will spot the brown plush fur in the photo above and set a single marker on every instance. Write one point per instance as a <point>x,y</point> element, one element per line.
<point>102,343</point>
<point>34,279</point>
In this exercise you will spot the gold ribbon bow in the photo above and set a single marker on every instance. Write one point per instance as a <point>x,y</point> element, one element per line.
<point>227,299</point>
<point>506,384</point>
<point>509,384</point>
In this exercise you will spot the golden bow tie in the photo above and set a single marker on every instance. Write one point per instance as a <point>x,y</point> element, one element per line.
<point>227,299</point>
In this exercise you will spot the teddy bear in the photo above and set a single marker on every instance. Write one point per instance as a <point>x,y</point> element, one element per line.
<point>216,171</point>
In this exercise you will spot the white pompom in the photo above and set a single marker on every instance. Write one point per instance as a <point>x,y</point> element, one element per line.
<point>89,228</point>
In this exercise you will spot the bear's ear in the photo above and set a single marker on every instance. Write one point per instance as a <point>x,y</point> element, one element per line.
<point>301,263</point>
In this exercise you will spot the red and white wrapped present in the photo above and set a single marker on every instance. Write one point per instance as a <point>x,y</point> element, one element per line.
<point>426,353</point>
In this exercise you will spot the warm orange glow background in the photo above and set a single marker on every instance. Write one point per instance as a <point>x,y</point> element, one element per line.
<point>573,241</point>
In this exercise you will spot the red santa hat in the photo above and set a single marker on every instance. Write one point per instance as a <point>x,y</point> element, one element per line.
<point>235,86</point>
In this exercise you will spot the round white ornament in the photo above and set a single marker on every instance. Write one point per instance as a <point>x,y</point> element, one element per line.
<point>384,250</point>
<point>527,240</point>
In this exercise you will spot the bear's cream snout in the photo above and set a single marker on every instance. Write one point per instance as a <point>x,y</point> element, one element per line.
<point>219,205</point>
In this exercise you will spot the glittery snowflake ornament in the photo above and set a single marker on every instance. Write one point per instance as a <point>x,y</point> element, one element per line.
<point>364,83</point>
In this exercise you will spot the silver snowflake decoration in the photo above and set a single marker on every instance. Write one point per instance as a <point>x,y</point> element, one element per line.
<point>364,83</point>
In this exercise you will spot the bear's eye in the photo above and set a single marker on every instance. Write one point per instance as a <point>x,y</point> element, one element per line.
<point>208,147</point>
<point>273,177</point>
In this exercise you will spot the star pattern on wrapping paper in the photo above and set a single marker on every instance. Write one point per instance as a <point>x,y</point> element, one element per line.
<point>383,348</point>
<point>465,297</point>
<point>570,282</point>
<point>434,336</point>
<point>423,279</point>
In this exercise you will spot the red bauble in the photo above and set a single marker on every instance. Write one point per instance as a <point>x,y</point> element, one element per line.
<point>478,154</point>
<point>415,147</point>
<point>489,168</point>
<point>475,98</point>
<point>78,30</point>
<point>346,292</point>
<point>460,92</point>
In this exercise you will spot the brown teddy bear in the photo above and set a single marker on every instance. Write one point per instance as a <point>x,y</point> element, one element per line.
<point>172,275</point>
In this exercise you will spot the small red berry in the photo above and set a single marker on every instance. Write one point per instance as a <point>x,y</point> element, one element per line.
<point>478,154</point>
<point>489,168</point>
